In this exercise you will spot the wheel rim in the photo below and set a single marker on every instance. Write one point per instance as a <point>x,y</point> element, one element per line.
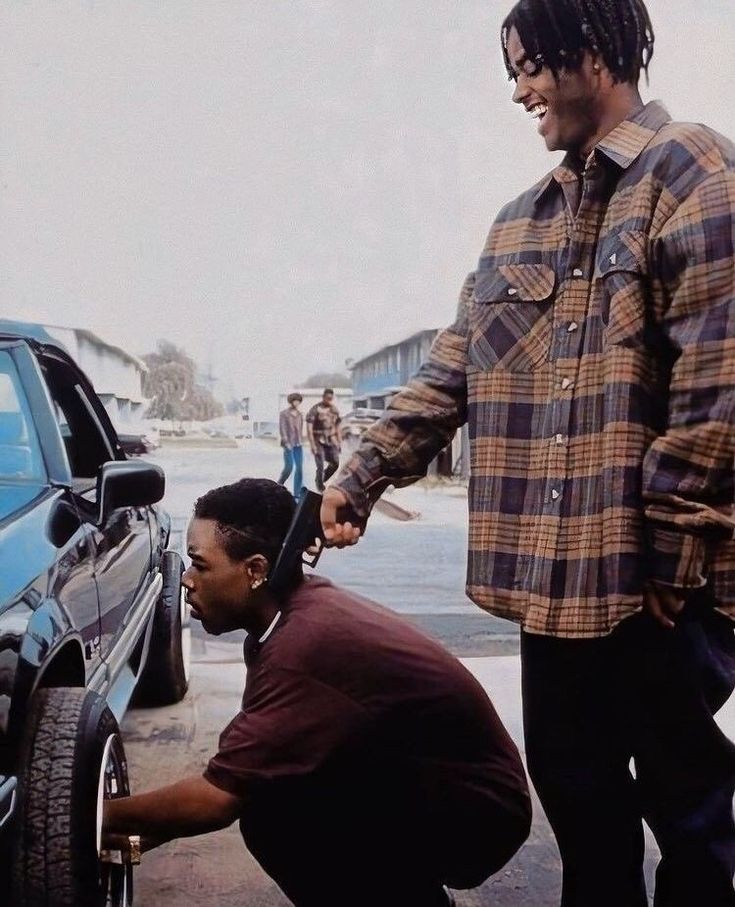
<point>115,879</point>
<point>185,636</point>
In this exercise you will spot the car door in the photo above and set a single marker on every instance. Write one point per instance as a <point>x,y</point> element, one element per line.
<point>122,542</point>
<point>23,476</point>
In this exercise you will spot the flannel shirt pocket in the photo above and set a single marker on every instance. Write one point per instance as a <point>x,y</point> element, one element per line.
<point>510,317</point>
<point>622,270</point>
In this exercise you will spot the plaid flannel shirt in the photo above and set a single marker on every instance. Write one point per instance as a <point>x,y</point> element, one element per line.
<point>291,427</point>
<point>593,357</point>
<point>324,421</point>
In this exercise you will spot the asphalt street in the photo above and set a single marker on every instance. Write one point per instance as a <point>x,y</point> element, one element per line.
<point>416,568</point>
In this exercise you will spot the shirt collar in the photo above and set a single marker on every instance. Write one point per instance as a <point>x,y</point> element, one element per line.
<point>630,138</point>
<point>271,628</point>
<point>623,145</point>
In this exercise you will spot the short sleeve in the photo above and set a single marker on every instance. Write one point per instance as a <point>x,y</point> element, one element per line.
<point>311,415</point>
<point>290,726</point>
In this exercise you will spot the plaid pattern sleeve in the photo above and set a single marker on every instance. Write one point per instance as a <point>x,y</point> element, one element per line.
<point>593,358</point>
<point>422,419</point>
<point>688,470</point>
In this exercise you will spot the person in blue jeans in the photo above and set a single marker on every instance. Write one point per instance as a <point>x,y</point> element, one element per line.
<point>291,425</point>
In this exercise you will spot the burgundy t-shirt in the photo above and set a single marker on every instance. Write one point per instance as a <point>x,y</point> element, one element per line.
<point>345,689</point>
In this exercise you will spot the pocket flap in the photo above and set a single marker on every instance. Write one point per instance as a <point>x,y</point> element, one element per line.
<point>625,251</point>
<point>515,283</point>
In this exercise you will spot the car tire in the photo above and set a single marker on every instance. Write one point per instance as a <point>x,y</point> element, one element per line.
<point>165,677</point>
<point>72,758</point>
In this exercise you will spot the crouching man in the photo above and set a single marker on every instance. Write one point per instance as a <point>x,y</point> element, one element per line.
<point>366,765</point>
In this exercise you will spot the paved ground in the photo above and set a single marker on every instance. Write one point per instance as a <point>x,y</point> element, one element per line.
<point>416,568</point>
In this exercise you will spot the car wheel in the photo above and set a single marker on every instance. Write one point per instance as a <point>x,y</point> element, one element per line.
<point>72,759</point>
<point>165,677</point>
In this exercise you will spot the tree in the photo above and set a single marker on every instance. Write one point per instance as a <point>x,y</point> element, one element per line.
<point>327,379</point>
<point>171,385</point>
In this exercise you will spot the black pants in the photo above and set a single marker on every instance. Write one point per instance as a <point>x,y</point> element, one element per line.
<point>328,848</point>
<point>329,454</point>
<point>648,694</point>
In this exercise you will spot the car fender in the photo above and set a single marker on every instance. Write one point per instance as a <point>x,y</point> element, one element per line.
<point>51,653</point>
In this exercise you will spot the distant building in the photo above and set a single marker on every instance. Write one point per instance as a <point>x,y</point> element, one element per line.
<point>117,375</point>
<point>378,377</point>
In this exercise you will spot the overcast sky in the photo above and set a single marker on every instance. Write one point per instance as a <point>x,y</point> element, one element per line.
<point>276,185</point>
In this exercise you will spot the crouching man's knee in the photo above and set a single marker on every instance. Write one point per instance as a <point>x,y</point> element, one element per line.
<point>486,843</point>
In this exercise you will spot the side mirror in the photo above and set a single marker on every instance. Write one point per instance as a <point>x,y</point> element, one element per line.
<point>128,483</point>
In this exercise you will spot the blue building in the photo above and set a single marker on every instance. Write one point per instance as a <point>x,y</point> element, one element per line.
<point>377,377</point>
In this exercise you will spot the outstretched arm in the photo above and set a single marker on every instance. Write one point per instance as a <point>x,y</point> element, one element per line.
<point>189,807</point>
<point>419,423</point>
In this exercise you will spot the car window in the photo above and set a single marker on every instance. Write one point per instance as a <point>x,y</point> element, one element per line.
<point>20,450</point>
<point>87,445</point>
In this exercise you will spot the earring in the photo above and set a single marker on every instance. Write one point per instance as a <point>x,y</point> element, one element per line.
<point>257,583</point>
<point>596,67</point>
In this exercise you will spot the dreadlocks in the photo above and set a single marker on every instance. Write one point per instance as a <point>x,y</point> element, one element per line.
<point>556,33</point>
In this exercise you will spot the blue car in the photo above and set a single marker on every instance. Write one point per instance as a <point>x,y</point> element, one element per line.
<point>91,614</point>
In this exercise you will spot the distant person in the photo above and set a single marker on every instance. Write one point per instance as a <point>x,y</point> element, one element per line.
<point>367,766</point>
<point>291,427</point>
<point>593,358</point>
<point>322,425</point>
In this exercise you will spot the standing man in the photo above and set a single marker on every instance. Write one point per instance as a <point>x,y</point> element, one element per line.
<point>593,356</point>
<point>322,425</point>
<point>291,426</point>
<point>366,766</point>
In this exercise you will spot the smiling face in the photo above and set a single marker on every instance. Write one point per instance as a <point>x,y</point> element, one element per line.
<point>218,588</point>
<point>570,109</point>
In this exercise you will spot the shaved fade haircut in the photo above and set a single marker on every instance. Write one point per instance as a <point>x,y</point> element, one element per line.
<point>556,33</point>
<point>252,517</point>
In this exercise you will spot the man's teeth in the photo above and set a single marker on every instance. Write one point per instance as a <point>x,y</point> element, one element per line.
<point>538,110</point>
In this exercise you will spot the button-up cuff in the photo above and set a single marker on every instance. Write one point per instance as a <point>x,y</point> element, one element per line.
<point>349,483</point>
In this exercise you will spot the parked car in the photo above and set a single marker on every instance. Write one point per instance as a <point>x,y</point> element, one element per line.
<point>355,422</point>
<point>138,438</point>
<point>91,612</point>
<point>266,430</point>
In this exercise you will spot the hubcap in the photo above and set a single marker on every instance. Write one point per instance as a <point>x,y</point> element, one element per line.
<point>115,879</point>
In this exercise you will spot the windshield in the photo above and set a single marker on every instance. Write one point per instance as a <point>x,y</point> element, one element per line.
<point>20,451</point>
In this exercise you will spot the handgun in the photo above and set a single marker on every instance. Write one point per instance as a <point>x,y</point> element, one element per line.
<point>304,532</point>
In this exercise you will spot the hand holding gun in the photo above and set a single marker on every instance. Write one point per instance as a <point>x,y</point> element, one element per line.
<point>340,525</point>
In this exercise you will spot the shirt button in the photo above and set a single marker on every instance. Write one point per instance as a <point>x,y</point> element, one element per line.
<point>566,383</point>
<point>572,326</point>
<point>555,495</point>
<point>577,272</point>
<point>512,291</point>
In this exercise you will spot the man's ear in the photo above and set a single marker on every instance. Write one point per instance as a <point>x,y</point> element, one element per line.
<point>258,566</point>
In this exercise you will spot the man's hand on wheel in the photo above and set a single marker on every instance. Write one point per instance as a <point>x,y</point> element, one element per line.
<point>338,534</point>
